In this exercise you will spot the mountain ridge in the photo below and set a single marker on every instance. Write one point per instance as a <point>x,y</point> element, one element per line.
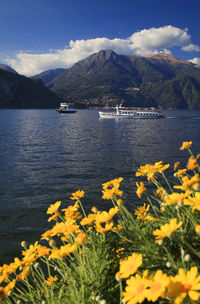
<point>106,78</point>
<point>17,91</point>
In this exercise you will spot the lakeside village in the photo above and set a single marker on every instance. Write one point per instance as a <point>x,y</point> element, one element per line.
<point>115,256</point>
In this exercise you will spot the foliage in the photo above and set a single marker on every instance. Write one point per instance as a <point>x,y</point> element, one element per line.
<point>114,256</point>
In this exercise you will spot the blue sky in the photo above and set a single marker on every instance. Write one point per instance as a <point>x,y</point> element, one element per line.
<point>44,34</point>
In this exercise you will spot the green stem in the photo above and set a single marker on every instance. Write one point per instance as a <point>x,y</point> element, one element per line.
<point>82,208</point>
<point>120,288</point>
<point>152,206</point>
<point>167,182</point>
<point>191,248</point>
<point>170,257</point>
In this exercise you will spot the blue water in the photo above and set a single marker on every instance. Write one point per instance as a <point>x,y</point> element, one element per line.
<point>45,156</point>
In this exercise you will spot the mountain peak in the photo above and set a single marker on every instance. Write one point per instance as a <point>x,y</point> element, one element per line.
<point>100,56</point>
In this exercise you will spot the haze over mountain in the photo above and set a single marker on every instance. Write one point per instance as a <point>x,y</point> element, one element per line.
<point>106,78</point>
<point>49,75</point>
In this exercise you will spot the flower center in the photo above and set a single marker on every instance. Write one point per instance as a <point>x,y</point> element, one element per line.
<point>186,287</point>
<point>140,288</point>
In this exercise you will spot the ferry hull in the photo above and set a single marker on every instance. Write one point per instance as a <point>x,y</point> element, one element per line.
<point>66,112</point>
<point>130,116</point>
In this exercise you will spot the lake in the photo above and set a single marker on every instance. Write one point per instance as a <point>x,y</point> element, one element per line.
<point>45,156</point>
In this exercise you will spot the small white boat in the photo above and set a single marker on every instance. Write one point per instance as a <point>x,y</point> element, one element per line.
<point>67,108</point>
<point>124,112</point>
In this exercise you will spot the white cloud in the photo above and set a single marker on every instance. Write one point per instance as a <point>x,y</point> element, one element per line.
<point>195,60</point>
<point>141,43</point>
<point>147,41</point>
<point>191,48</point>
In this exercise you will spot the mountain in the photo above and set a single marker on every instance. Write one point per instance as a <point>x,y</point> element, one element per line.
<point>18,91</point>
<point>7,68</point>
<point>106,78</point>
<point>48,76</point>
<point>181,92</point>
<point>100,76</point>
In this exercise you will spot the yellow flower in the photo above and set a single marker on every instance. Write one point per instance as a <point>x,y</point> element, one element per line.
<point>150,218</point>
<point>25,272</point>
<point>117,228</point>
<point>9,287</point>
<point>1,293</point>
<point>157,286</point>
<point>184,284</point>
<point>130,265</point>
<point>166,230</point>
<point>43,251</point>
<point>100,228</point>
<point>113,183</point>
<point>94,209</point>
<point>192,183</point>
<point>160,167</point>
<point>147,170</point>
<point>136,289</point>
<point>50,280</point>
<point>54,217</point>
<point>72,212</point>
<point>88,220</point>
<point>141,211</point>
<point>176,198</point>
<point>81,238</point>
<point>111,189</point>
<point>140,189</point>
<point>105,216</point>
<point>180,172</point>
<point>30,255</point>
<point>192,163</point>
<point>197,229</point>
<point>176,165</point>
<point>46,235</point>
<point>161,192</point>
<point>193,201</point>
<point>186,145</point>
<point>110,193</point>
<point>62,251</point>
<point>53,208</point>
<point>77,195</point>
<point>119,201</point>
<point>151,170</point>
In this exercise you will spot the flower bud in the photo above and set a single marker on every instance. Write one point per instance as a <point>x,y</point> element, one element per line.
<point>23,244</point>
<point>187,257</point>
<point>117,277</point>
<point>52,243</point>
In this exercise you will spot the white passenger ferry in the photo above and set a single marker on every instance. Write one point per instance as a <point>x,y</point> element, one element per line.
<point>66,108</point>
<point>122,112</point>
